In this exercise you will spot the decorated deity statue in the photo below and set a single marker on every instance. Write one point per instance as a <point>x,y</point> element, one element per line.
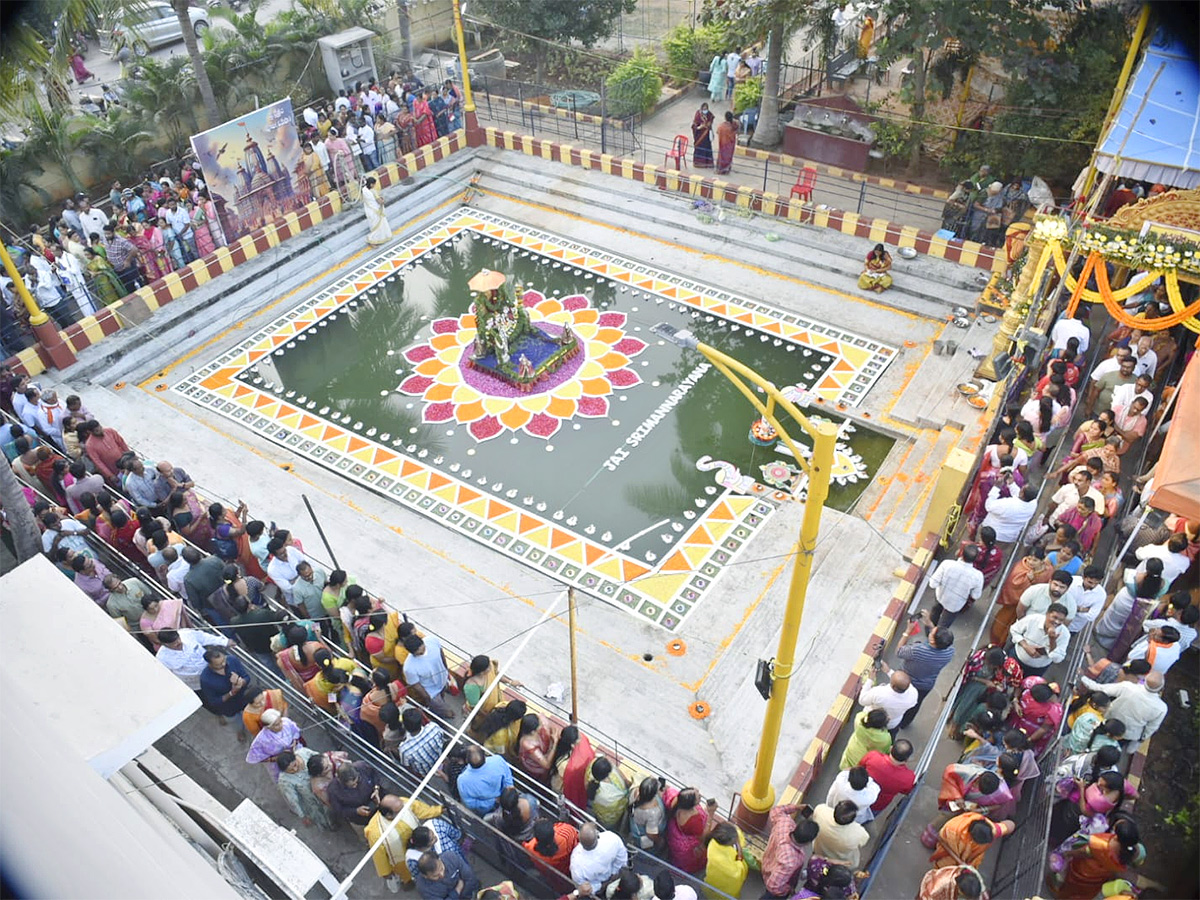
<point>525,369</point>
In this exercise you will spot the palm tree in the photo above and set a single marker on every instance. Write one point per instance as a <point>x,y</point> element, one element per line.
<point>58,135</point>
<point>117,142</point>
<point>211,113</point>
<point>17,170</point>
<point>165,96</point>
<point>26,55</point>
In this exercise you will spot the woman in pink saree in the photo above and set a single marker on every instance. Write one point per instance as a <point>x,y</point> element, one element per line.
<point>298,661</point>
<point>159,615</point>
<point>341,161</point>
<point>205,224</point>
<point>688,827</point>
<point>424,124</point>
<point>149,240</point>
<point>1037,712</point>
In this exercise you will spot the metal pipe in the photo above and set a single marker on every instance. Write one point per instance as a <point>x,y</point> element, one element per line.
<point>320,531</point>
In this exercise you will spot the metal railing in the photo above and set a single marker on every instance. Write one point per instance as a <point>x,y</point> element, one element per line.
<point>490,843</point>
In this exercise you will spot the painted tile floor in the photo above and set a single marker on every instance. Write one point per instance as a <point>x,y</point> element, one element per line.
<point>460,427</point>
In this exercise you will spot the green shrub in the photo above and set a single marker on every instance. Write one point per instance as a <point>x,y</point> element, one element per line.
<point>747,95</point>
<point>691,49</point>
<point>634,86</point>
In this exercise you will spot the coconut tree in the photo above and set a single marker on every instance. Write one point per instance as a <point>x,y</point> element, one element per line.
<point>17,170</point>
<point>211,113</point>
<point>58,136</point>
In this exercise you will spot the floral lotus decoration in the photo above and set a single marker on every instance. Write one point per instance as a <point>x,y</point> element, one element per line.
<point>455,393</point>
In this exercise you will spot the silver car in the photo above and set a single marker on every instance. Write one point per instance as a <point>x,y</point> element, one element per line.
<point>150,25</point>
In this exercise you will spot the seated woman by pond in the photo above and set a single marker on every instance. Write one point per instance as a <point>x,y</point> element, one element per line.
<point>875,275</point>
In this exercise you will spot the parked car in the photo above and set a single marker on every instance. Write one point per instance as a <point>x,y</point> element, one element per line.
<point>149,25</point>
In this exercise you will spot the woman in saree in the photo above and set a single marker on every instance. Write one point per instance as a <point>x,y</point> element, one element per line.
<point>535,747</point>
<point>988,669</point>
<point>279,733</point>
<point>406,130</point>
<point>380,231</point>
<point>1037,712</point>
<point>259,701</point>
<point>106,286</point>
<point>702,123</point>
<point>295,785</point>
<point>160,615</point>
<point>341,161</point>
<point>965,839</point>
<point>297,660</point>
<point>385,140</point>
<point>441,115</point>
<point>727,133</point>
<point>1082,800</point>
<point>1031,569</point>
<point>385,689</point>
<point>989,477</point>
<point>1110,490</point>
<point>608,794</point>
<point>952,882</point>
<point>423,119</point>
<point>148,239</point>
<point>211,219</point>
<point>875,275</point>
<point>188,518</point>
<point>483,671</point>
<point>501,727</point>
<point>573,757</point>
<point>1121,623</point>
<point>318,182</point>
<point>201,225</point>
<point>969,786</point>
<point>322,688</point>
<point>990,558</point>
<point>1097,860</point>
<point>688,827</point>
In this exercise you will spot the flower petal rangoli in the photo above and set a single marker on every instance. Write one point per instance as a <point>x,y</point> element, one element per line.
<point>489,406</point>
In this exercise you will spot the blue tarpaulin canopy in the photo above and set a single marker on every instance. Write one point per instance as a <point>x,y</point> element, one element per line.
<point>1159,144</point>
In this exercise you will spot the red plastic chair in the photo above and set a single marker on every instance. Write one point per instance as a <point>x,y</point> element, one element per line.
<point>678,151</point>
<point>806,180</point>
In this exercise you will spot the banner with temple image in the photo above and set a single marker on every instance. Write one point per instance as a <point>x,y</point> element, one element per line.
<point>254,169</point>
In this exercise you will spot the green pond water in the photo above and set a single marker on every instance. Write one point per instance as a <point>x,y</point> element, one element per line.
<point>602,484</point>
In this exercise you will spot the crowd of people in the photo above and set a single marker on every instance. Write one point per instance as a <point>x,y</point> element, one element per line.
<point>1009,709</point>
<point>980,208</point>
<point>85,258</point>
<point>211,588</point>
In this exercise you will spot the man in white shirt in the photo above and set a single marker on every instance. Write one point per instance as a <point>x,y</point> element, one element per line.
<point>840,836</point>
<point>1038,598</point>
<point>1145,359</point>
<point>1112,364</point>
<point>1067,497</point>
<point>1173,555</point>
<point>426,668</point>
<point>50,414</point>
<point>955,583</point>
<point>1065,329</point>
<point>310,117</point>
<point>1008,515</point>
<point>1136,704</point>
<point>857,786</point>
<point>598,857</point>
<point>178,570</point>
<point>1182,620</point>
<point>732,60</point>
<point>1160,647</point>
<point>366,145</point>
<point>1088,594</point>
<point>281,567</point>
<point>342,101</point>
<point>180,221</point>
<point>1124,394</point>
<point>61,531</point>
<point>1039,641</point>
<point>25,406</point>
<point>183,653</point>
<point>93,221</point>
<point>895,698</point>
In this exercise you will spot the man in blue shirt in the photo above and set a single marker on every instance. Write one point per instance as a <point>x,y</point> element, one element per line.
<point>445,875</point>
<point>224,685</point>
<point>484,779</point>
<point>923,662</point>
